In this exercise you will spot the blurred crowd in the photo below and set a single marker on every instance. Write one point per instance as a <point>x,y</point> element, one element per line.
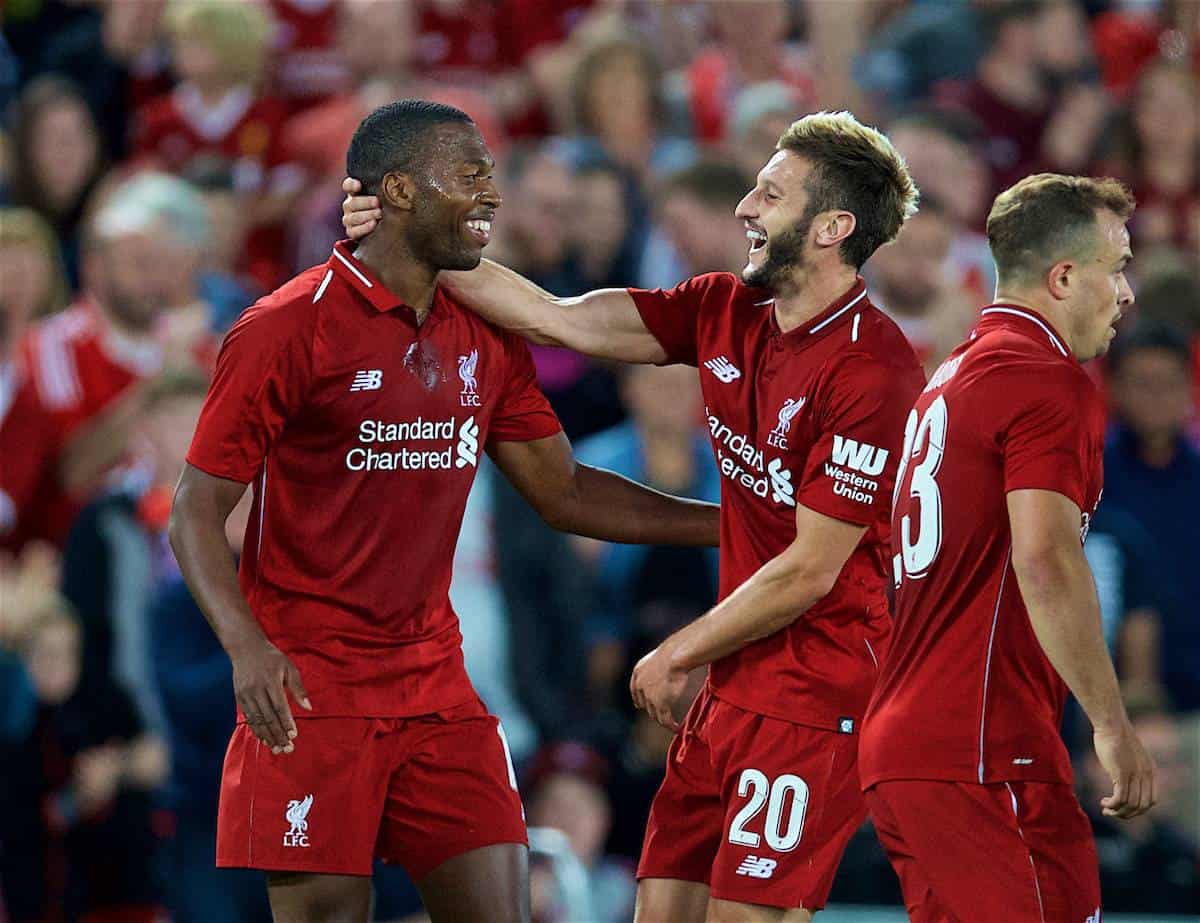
<point>165,162</point>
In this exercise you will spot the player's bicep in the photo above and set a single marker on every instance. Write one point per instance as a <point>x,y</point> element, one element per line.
<point>199,493</point>
<point>542,470</point>
<point>822,546</point>
<point>607,324</point>
<point>1045,525</point>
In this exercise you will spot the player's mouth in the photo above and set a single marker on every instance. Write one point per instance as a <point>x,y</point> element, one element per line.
<point>479,230</point>
<point>757,238</point>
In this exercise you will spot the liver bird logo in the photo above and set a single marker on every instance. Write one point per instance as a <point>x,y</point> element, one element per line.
<point>297,815</point>
<point>466,371</point>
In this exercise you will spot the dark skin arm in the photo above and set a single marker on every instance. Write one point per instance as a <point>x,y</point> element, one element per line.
<point>262,674</point>
<point>599,504</point>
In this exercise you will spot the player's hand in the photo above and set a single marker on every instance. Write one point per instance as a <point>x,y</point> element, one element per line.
<point>360,213</point>
<point>1130,769</point>
<point>657,686</point>
<point>262,676</point>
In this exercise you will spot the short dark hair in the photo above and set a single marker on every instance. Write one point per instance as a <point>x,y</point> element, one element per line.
<point>391,139</point>
<point>1150,335</point>
<point>714,183</point>
<point>1048,217</point>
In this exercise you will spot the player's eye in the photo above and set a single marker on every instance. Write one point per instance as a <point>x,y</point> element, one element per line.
<point>771,197</point>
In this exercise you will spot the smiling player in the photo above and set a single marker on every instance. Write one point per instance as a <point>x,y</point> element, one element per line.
<point>806,387</point>
<point>357,399</point>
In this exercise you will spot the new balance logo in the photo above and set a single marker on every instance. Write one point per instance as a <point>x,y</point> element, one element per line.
<point>725,370</point>
<point>367,380</point>
<point>756,867</point>
<point>859,456</point>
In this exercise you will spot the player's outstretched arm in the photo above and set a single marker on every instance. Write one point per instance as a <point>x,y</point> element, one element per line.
<point>604,323</point>
<point>261,672</point>
<point>578,498</point>
<point>774,597</point>
<point>1056,585</point>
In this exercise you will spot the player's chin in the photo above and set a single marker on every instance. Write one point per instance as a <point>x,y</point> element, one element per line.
<point>464,260</point>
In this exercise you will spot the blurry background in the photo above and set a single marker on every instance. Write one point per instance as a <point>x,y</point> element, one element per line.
<point>165,162</point>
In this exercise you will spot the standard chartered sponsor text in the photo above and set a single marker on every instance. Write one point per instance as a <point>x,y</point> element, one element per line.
<point>374,435</point>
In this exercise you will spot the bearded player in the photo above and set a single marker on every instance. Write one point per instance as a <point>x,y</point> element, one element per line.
<point>806,387</point>
<point>357,399</point>
<point>968,781</point>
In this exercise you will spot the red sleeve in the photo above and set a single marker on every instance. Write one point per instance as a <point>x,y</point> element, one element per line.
<point>263,372</point>
<point>1045,433</point>
<point>523,413</point>
<point>673,314</point>
<point>860,413</point>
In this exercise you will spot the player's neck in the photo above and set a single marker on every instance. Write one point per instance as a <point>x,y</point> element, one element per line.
<point>404,275</point>
<point>812,295</point>
<point>1053,313</point>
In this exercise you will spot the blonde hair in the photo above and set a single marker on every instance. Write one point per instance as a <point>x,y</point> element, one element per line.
<point>24,226</point>
<point>856,168</point>
<point>239,32</point>
<point>1048,217</point>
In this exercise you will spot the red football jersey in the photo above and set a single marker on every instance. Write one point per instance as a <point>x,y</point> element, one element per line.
<point>75,365</point>
<point>966,693</point>
<point>813,416</point>
<point>361,432</point>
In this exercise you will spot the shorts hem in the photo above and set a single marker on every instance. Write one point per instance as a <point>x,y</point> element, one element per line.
<point>303,868</point>
<point>418,870</point>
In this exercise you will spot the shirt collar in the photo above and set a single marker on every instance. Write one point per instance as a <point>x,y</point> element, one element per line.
<point>1020,317</point>
<point>361,279</point>
<point>840,310</point>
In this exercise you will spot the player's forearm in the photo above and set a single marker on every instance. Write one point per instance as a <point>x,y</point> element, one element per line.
<point>197,535</point>
<point>511,301</point>
<point>1065,614</point>
<point>778,594</point>
<point>607,506</point>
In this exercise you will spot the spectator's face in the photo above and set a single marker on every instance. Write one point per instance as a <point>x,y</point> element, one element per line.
<point>25,280</point>
<point>620,98</point>
<point>1152,393</point>
<point>456,200</point>
<point>578,808</point>
<point>775,215</point>
<point>129,274</point>
<point>1064,38</point>
<point>195,61</point>
<point>53,661</point>
<point>600,203</point>
<point>376,36</point>
<point>1102,292</point>
<point>1167,112</point>
<point>227,223</point>
<point>65,149</point>
<point>756,24</point>
<point>541,211</point>
<point>708,239</point>
<point>946,169</point>
<point>167,428</point>
<point>910,272</point>
<point>663,398</point>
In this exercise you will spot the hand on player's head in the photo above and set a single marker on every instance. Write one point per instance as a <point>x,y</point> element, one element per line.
<point>360,213</point>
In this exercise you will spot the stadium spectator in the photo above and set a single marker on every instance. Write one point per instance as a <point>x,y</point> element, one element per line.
<point>760,113</point>
<point>307,64</point>
<point>58,159</point>
<point>1153,474</point>
<point>33,284</point>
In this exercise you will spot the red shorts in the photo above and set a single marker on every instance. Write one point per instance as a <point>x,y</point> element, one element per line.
<point>757,808</point>
<point>1009,852</point>
<point>412,791</point>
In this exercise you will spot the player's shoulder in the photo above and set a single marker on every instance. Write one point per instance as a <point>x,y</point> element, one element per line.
<point>294,306</point>
<point>719,288</point>
<point>870,344</point>
<point>1001,366</point>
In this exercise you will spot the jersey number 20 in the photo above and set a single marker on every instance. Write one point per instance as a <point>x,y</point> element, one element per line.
<point>762,791</point>
<point>928,436</point>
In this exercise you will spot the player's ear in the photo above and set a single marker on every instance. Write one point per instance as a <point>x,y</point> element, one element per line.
<point>833,227</point>
<point>1059,280</point>
<point>398,190</point>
